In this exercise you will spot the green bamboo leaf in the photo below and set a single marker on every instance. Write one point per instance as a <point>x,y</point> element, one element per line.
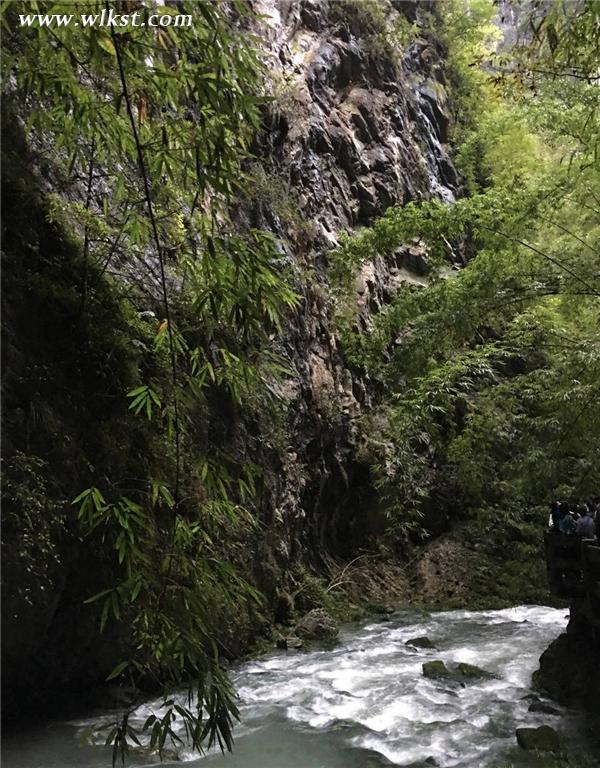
<point>118,670</point>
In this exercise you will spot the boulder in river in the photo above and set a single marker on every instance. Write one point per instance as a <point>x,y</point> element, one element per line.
<point>471,672</point>
<point>541,706</point>
<point>317,626</point>
<point>420,642</point>
<point>542,739</point>
<point>436,670</point>
<point>462,673</point>
<point>289,643</point>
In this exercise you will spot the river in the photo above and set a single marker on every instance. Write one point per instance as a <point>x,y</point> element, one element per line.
<point>366,704</point>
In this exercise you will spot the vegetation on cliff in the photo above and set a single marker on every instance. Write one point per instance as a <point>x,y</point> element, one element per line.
<point>489,376</point>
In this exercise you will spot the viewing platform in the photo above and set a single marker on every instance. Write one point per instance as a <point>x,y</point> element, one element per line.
<point>574,571</point>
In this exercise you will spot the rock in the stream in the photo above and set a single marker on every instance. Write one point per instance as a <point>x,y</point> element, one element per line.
<point>436,670</point>
<point>382,608</point>
<point>462,673</point>
<point>540,706</point>
<point>289,643</point>
<point>317,626</point>
<point>420,642</point>
<point>542,739</point>
<point>471,672</point>
<point>429,761</point>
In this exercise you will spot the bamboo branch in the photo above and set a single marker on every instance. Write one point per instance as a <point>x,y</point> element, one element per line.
<point>159,250</point>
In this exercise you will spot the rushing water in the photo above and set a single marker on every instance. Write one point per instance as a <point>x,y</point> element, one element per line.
<point>365,703</point>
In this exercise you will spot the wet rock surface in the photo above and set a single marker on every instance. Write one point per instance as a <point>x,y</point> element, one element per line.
<point>459,673</point>
<point>472,672</point>
<point>542,739</point>
<point>436,670</point>
<point>540,706</point>
<point>570,667</point>
<point>420,642</point>
<point>317,627</point>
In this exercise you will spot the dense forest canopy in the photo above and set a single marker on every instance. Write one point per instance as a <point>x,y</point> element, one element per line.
<point>486,379</point>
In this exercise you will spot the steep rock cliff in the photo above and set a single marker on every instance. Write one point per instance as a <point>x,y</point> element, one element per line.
<point>355,126</point>
<point>353,129</point>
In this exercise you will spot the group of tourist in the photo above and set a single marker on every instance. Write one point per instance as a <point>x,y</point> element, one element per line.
<point>582,519</point>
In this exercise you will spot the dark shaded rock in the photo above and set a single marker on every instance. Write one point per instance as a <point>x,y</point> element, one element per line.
<point>570,668</point>
<point>542,739</point>
<point>284,607</point>
<point>540,706</point>
<point>461,673</point>
<point>471,672</point>
<point>420,642</point>
<point>423,763</point>
<point>436,670</point>
<point>289,643</point>
<point>317,626</point>
<point>311,16</point>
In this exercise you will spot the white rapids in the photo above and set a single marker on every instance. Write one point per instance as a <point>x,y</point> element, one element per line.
<point>366,703</point>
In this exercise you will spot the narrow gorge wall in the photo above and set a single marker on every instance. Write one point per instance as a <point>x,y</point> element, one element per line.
<point>355,125</point>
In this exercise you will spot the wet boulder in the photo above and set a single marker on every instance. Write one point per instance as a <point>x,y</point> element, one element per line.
<point>289,643</point>
<point>380,608</point>
<point>436,670</point>
<point>420,642</point>
<point>541,706</point>
<point>317,626</point>
<point>468,672</point>
<point>461,673</point>
<point>542,739</point>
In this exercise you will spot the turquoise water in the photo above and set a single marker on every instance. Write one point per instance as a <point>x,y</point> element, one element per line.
<point>365,703</point>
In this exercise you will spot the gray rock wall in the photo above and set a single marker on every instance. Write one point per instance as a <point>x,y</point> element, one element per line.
<point>353,129</point>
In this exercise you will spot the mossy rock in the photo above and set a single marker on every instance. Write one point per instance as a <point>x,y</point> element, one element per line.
<point>420,642</point>
<point>542,739</point>
<point>436,670</point>
<point>317,627</point>
<point>471,672</point>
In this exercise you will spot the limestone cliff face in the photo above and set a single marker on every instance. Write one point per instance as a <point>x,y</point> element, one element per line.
<point>353,129</point>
